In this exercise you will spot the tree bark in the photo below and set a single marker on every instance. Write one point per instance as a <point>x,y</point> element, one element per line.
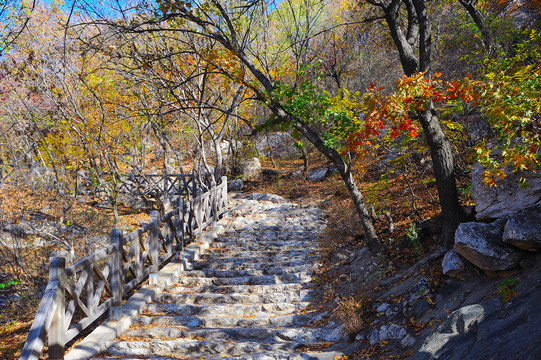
<point>406,52</point>
<point>443,163</point>
<point>477,17</point>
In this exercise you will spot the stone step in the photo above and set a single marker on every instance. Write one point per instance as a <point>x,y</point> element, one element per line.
<point>279,229</point>
<point>211,272</point>
<point>261,246</point>
<point>235,298</point>
<point>267,238</point>
<point>247,252</point>
<point>272,222</point>
<point>247,298</point>
<point>236,253</point>
<point>276,355</point>
<point>240,289</point>
<point>284,224</point>
<point>302,277</point>
<point>196,348</point>
<point>246,321</point>
<point>262,257</point>
<point>226,310</point>
<point>243,265</point>
<point>303,335</point>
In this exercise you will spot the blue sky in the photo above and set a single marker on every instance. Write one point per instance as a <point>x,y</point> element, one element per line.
<point>105,8</point>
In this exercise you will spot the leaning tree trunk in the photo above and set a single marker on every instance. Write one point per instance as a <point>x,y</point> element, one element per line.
<point>313,137</point>
<point>349,181</point>
<point>477,17</point>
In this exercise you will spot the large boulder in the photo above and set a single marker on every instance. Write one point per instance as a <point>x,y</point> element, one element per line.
<point>235,185</point>
<point>278,144</point>
<point>523,230</point>
<point>507,197</point>
<point>482,245</point>
<point>251,169</point>
<point>316,174</point>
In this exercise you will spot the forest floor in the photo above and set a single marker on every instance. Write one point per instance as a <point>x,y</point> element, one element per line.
<point>349,289</point>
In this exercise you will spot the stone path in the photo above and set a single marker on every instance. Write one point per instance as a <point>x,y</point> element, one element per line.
<point>247,298</point>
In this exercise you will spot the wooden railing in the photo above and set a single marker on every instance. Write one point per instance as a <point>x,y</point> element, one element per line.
<point>80,294</point>
<point>158,185</point>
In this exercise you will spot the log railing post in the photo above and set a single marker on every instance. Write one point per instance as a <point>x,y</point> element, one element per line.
<point>154,248</point>
<point>116,275</point>
<point>224,195</point>
<point>57,331</point>
<point>198,211</point>
<point>180,226</point>
<point>214,203</point>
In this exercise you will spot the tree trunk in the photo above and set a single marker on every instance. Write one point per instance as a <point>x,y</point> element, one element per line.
<point>311,135</point>
<point>405,49</point>
<point>218,169</point>
<point>440,148</point>
<point>443,163</point>
<point>349,181</point>
<point>477,18</point>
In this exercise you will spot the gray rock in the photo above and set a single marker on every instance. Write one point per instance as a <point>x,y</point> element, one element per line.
<point>416,292</point>
<point>330,326</point>
<point>523,230</point>
<point>228,148</point>
<point>383,307</point>
<point>507,197</point>
<point>337,334</point>
<point>392,310</point>
<point>387,332</point>
<point>407,341</point>
<point>383,333</point>
<point>235,185</point>
<point>392,332</point>
<point>482,245</point>
<point>452,264</point>
<point>373,337</point>
<point>251,169</point>
<point>316,175</point>
<point>419,310</point>
<point>267,197</point>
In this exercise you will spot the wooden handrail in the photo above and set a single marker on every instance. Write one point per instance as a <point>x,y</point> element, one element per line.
<point>78,295</point>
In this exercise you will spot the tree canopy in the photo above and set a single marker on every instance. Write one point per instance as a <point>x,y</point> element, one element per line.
<point>183,80</point>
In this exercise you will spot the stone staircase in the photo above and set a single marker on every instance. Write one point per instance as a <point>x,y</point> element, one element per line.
<point>248,297</point>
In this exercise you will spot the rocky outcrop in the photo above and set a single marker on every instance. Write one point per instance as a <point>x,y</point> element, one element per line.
<point>523,230</point>
<point>482,245</point>
<point>459,322</point>
<point>489,328</point>
<point>507,197</point>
